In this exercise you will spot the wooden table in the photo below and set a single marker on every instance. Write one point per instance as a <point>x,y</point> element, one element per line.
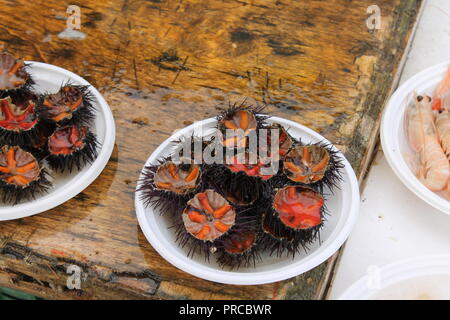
<point>162,65</point>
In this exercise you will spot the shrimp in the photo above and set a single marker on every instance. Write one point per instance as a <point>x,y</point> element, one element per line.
<point>443,130</point>
<point>441,104</point>
<point>434,170</point>
<point>441,90</point>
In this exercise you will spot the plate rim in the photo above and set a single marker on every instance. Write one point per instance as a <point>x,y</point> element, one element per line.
<point>261,277</point>
<point>51,201</point>
<point>396,272</point>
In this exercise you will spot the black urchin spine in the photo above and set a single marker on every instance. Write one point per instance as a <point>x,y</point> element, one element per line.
<point>14,195</point>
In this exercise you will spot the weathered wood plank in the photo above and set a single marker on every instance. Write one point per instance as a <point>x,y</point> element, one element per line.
<point>162,65</point>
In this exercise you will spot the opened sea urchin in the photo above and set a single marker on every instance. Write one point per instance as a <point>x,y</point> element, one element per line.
<point>206,217</point>
<point>239,249</point>
<point>292,220</point>
<point>13,75</point>
<point>71,147</point>
<point>316,165</point>
<point>238,122</point>
<point>21,175</point>
<point>72,104</point>
<point>168,186</point>
<point>19,122</point>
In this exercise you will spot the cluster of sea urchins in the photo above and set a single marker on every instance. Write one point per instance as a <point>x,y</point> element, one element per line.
<point>39,131</point>
<point>238,209</point>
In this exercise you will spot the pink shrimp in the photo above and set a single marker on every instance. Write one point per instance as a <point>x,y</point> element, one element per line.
<point>441,103</point>
<point>443,130</point>
<point>441,90</point>
<point>434,169</point>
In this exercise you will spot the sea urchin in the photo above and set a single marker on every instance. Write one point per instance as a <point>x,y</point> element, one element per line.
<point>71,147</point>
<point>21,175</point>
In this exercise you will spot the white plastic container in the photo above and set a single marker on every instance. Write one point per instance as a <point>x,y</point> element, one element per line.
<point>49,78</point>
<point>393,139</point>
<point>419,278</point>
<point>343,207</point>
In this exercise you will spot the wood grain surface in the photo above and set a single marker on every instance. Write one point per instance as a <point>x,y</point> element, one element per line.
<point>162,65</point>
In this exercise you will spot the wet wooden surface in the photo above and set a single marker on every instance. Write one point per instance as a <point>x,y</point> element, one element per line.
<point>162,65</point>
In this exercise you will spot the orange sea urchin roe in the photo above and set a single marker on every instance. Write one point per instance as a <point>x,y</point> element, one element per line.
<point>18,167</point>
<point>258,169</point>
<point>177,178</point>
<point>238,243</point>
<point>17,117</point>
<point>61,105</point>
<point>208,216</point>
<point>66,140</point>
<point>306,164</point>
<point>298,208</point>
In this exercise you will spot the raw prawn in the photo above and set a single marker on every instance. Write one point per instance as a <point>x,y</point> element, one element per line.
<point>441,103</point>
<point>434,170</point>
<point>441,90</point>
<point>443,130</point>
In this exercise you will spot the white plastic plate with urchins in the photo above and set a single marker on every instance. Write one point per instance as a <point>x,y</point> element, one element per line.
<point>343,207</point>
<point>49,78</point>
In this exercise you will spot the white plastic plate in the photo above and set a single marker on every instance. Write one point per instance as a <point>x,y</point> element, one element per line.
<point>393,139</point>
<point>426,277</point>
<point>49,78</point>
<point>343,207</point>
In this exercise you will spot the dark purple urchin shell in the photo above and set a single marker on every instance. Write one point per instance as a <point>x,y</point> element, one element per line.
<point>22,176</point>
<point>291,220</point>
<point>239,181</point>
<point>39,148</point>
<point>163,197</point>
<point>71,147</point>
<point>237,178</point>
<point>19,122</point>
<point>236,187</point>
<point>14,79</point>
<point>282,241</point>
<point>239,249</point>
<point>72,104</point>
